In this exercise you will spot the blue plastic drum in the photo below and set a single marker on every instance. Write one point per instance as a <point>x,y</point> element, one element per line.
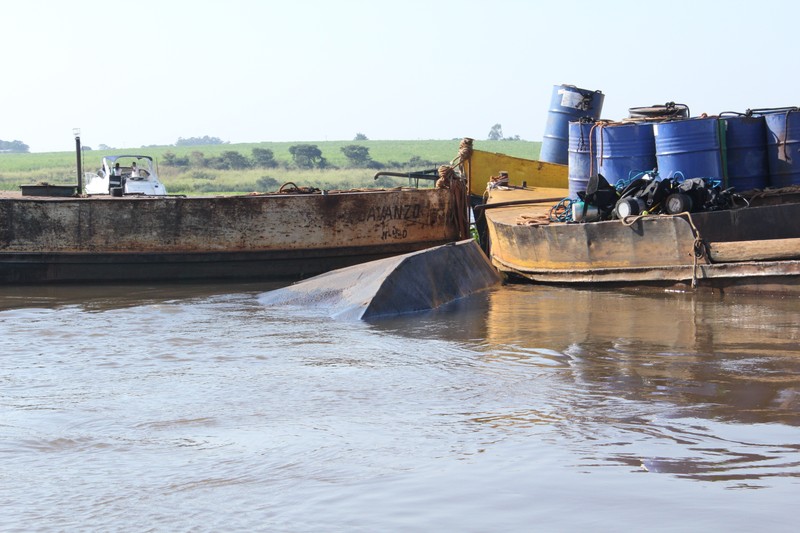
<point>783,147</point>
<point>567,104</point>
<point>746,148</point>
<point>624,150</point>
<point>691,148</point>
<point>581,151</point>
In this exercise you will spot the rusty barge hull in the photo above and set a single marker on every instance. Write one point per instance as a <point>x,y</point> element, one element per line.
<point>753,249</point>
<point>278,236</point>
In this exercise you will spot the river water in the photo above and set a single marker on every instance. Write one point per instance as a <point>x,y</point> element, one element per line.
<point>524,408</point>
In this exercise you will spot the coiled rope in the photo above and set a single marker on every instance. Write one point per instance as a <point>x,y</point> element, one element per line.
<point>562,211</point>
<point>464,152</point>
<point>448,179</point>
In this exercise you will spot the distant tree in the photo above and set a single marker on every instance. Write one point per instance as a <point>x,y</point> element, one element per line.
<point>102,146</point>
<point>496,133</point>
<point>197,160</point>
<point>264,158</point>
<point>199,141</point>
<point>234,160</point>
<point>217,163</point>
<point>86,148</point>
<point>307,156</point>
<point>360,137</point>
<point>357,155</point>
<point>172,160</point>
<point>18,147</point>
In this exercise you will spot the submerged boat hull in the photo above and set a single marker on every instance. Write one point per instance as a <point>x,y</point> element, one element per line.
<point>286,236</point>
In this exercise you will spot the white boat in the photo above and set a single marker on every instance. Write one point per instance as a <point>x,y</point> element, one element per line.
<point>125,174</point>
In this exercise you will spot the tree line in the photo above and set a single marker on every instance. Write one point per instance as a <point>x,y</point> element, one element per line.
<point>304,156</point>
<point>14,147</point>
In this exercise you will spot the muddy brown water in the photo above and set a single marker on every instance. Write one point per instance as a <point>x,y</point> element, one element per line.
<point>197,408</point>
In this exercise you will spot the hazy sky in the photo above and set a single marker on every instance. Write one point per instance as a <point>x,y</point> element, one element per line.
<point>133,73</point>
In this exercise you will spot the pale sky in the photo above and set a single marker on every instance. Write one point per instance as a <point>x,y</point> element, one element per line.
<point>133,73</point>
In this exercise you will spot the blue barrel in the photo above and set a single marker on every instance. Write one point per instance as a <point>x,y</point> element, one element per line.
<point>746,148</point>
<point>581,151</point>
<point>691,147</point>
<point>783,147</point>
<point>567,104</point>
<point>624,150</point>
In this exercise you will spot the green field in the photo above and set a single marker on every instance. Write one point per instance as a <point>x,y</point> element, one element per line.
<point>399,156</point>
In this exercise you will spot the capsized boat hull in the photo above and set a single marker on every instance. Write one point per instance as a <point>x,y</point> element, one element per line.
<point>407,283</point>
<point>279,236</point>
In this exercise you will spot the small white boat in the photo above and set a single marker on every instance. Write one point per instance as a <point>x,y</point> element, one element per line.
<point>125,174</point>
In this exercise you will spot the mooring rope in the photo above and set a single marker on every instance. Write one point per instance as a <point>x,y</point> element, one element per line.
<point>448,179</point>
<point>464,152</point>
<point>699,246</point>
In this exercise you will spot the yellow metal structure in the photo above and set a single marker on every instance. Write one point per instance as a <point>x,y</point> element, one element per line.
<point>481,166</point>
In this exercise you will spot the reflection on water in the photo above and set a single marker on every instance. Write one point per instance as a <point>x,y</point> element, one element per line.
<point>197,407</point>
<point>695,375</point>
<point>115,296</point>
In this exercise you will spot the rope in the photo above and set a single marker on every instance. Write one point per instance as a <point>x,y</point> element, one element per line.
<point>699,246</point>
<point>561,212</point>
<point>458,189</point>
<point>765,193</point>
<point>464,152</point>
<point>290,188</point>
<point>599,124</point>
<point>533,220</point>
<point>591,150</point>
<point>786,155</point>
<point>620,185</point>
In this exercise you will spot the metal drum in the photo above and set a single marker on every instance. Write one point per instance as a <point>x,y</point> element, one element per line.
<point>746,148</point>
<point>690,148</point>
<point>581,151</point>
<point>624,150</point>
<point>783,147</point>
<point>568,103</point>
<point>659,113</point>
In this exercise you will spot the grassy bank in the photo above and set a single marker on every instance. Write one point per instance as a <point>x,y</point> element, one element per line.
<point>403,156</point>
